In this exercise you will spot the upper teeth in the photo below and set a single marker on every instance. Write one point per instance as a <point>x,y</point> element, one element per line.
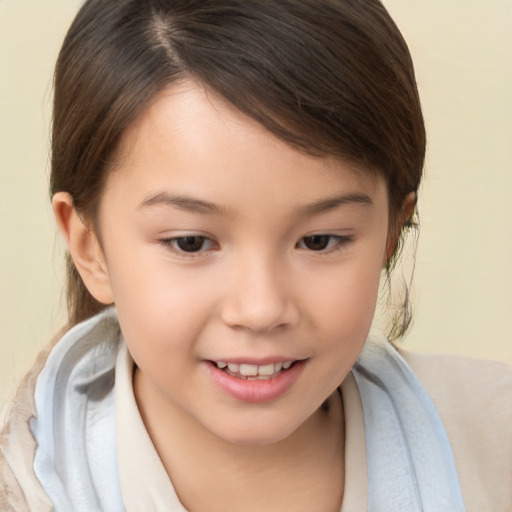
<point>252,370</point>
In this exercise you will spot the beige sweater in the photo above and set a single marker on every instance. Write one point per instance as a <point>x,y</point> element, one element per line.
<point>474,400</point>
<point>473,397</point>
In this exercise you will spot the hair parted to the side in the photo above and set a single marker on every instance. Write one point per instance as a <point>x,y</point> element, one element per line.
<point>329,77</point>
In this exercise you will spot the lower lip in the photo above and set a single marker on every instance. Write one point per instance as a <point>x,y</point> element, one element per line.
<point>256,391</point>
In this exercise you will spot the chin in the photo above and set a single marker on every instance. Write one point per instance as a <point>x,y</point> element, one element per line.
<point>255,438</point>
<point>256,431</point>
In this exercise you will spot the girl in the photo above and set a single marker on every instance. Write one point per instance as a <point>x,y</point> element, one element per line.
<point>231,179</point>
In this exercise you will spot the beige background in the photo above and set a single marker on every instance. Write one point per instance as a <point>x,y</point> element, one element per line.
<point>463,282</point>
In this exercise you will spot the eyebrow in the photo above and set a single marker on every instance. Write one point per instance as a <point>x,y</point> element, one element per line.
<point>194,205</point>
<point>185,203</point>
<point>331,203</point>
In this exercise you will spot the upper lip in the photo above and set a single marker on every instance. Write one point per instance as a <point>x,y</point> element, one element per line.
<point>257,362</point>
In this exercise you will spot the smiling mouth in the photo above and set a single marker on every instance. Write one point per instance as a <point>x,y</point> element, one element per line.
<point>252,371</point>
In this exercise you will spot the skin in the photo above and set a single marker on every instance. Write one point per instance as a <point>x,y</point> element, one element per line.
<point>258,288</point>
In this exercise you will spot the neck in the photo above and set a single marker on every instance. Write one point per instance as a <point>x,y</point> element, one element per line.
<point>297,473</point>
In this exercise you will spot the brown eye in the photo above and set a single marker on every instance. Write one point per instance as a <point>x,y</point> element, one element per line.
<point>317,242</point>
<point>190,243</point>
<point>324,243</point>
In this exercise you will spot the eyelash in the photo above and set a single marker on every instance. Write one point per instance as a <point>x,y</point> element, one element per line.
<point>172,244</point>
<point>332,244</point>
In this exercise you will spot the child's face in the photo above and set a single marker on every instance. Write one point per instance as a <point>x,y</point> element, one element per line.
<point>223,244</point>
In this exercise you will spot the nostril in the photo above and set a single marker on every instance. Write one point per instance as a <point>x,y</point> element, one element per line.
<point>260,318</point>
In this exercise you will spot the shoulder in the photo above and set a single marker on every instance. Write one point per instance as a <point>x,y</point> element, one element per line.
<point>19,488</point>
<point>68,376</point>
<point>474,399</point>
<point>460,382</point>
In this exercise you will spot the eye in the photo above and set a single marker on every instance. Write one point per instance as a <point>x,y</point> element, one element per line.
<point>188,244</point>
<point>322,242</point>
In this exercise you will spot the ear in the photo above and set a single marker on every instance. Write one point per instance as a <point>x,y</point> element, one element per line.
<point>84,248</point>
<point>404,215</point>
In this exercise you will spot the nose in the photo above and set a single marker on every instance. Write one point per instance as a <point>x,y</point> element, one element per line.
<point>259,298</point>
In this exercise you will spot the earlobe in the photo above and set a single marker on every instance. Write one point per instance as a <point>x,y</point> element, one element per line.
<point>408,208</point>
<point>84,248</point>
<point>404,216</point>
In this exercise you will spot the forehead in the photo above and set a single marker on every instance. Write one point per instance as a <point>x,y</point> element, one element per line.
<point>190,138</point>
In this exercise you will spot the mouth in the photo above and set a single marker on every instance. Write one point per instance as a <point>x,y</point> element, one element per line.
<point>256,383</point>
<point>254,372</point>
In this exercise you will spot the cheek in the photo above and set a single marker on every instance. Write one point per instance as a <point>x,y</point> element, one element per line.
<point>161,325</point>
<point>159,307</point>
<point>341,312</point>
<point>345,305</point>
<point>163,315</point>
<point>346,318</point>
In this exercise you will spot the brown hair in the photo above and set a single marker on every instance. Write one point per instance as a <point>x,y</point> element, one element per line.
<point>329,77</point>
